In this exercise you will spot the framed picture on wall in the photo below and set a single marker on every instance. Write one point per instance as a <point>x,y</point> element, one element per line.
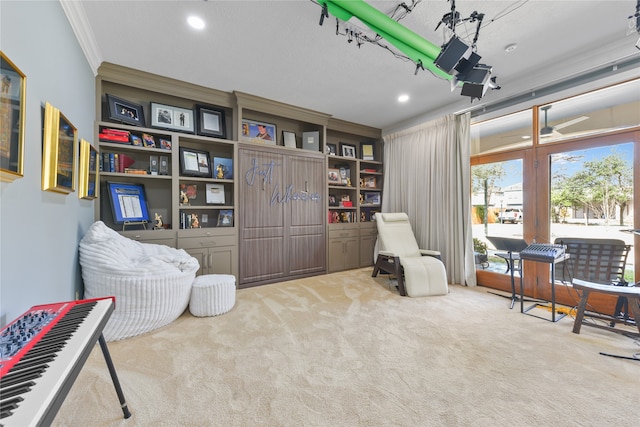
<point>87,171</point>
<point>59,152</point>
<point>13,108</point>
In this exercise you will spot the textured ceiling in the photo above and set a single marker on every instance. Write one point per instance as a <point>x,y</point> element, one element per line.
<point>278,50</point>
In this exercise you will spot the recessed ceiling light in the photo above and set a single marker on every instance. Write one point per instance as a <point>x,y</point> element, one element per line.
<point>510,47</point>
<point>403,98</point>
<point>196,22</point>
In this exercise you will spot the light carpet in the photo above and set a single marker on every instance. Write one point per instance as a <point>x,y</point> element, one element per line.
<point>345,349</point>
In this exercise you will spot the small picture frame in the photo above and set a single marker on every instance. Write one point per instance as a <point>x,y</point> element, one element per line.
<point>210,122</point>
<point>123,111</point>
<point>13,107</point>
<point>215,194</point>
<point>348,150</point>
<point>223,168</point>
<point>128,202</point>
<point>367,151</point>
<point>369,182</point>
<point>148,141</point>
<point>334,177</point>
<point>174,118</point>
<point>255,131</point>
<point>87,171</point>
<point>333,200</point>
<point>194,162</point>
<point>289,139</point>
<point>371,198</point>
<point>165,144</point>
<point>332,149</point>
<point>59,152</point>
<point>136,140</point>
<point>225,218</point>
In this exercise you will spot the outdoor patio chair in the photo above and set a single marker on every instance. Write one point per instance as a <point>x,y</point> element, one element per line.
<point>419,272</point>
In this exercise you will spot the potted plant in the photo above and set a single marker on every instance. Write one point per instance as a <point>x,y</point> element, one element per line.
<point>480,252</point>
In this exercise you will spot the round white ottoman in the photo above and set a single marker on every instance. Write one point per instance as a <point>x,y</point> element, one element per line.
<point>212,294</point>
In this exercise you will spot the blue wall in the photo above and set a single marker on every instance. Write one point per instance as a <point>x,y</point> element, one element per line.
<point>40,230</point>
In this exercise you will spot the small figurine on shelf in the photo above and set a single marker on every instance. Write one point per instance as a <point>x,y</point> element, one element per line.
<point>157,222</point>
<point>184,199</point>
<point>363,216</point>
<point>221,170</point>
<point>195,223</point>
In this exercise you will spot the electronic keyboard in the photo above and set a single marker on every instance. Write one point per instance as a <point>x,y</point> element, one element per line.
<point>41,354</point>
<point>545,252</point>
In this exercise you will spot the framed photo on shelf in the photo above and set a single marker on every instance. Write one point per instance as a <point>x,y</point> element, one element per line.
<point>136,140</point>
<point>168,117</point>
<point>211,121</point>
<point>348,150</point>
<point>371,198</point>
<point>128,202</point>
<point>215,194</point>
<point>194,162</point>
<point>334,177</point>
<point>223,168</point>
<point>369,181</point>
<point>258,132</point>
<point>225,218</point>
<point>289,139</point>
<point>123,111</point>
<point>13,110</point>
<point>87,171</point>
<point>59,152</point>
<point>333,200</point>
<point>311,140</point>
<point>148,140</point>
<point>332,149</point>
<point>367,151</point>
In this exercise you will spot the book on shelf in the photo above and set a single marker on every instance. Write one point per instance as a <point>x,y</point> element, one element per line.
<point>114,135</point>
<point>115,162</point>
<point>135,171</point>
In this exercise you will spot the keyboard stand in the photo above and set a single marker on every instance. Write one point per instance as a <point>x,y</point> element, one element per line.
<point>553,263</point>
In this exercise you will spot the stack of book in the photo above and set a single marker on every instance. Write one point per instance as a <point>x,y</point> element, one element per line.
<point>115,135</point>
<point>116,162</point>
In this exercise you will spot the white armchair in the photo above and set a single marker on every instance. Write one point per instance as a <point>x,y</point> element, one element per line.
<point>419,272</point>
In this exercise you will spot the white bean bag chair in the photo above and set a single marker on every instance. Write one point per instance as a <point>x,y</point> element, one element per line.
<point>151,283</point>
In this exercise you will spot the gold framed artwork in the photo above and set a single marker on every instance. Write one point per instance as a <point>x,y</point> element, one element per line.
<point>59,152</point>
<point>12,119</point>
<point>87,171</point>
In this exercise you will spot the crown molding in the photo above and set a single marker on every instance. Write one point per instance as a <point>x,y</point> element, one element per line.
<point>80,25</point>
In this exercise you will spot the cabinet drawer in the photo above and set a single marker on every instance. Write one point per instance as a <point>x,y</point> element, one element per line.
<point>339,234</point>
<point>158,237</point>
<point>206,242</point>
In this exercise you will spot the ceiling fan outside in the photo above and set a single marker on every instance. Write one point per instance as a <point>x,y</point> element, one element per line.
<point>548,131</point>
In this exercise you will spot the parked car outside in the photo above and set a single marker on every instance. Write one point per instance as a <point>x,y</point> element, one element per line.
<point>511,215</point>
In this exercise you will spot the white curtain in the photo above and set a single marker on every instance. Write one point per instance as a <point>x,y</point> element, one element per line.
<point>427,176</point>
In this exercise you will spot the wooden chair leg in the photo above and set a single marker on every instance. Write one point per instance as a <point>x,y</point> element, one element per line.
<point>400,276</point>
<point>580,314</point>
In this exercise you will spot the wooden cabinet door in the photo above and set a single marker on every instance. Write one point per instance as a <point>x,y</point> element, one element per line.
<point>306,216</point>
<point>223,260</point>
<point>202,255</point>
<point>261,218</point>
